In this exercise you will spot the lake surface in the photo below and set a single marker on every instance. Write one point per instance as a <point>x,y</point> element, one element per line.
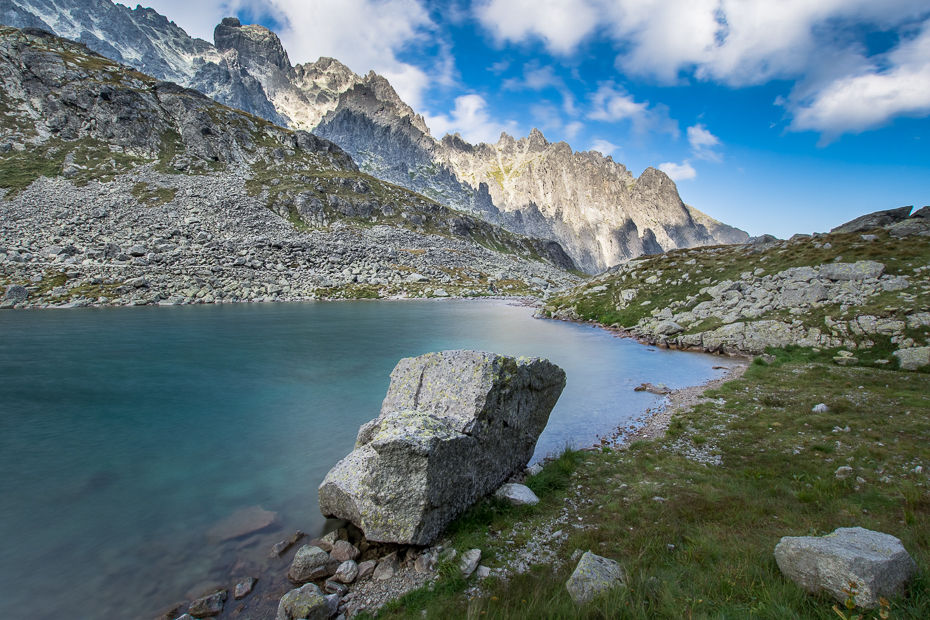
<point>127,433</point>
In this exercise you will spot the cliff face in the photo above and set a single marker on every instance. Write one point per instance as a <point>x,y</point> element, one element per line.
<point>588,203</point>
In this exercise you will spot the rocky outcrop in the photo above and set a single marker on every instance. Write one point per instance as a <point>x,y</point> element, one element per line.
<point>870,221</point>
<point>877,564</point>
<point>453,427</point>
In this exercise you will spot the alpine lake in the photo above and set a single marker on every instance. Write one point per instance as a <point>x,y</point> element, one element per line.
<point>128,434</point>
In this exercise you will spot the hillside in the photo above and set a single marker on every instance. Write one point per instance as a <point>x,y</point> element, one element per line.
<point>120,188</point>
<point>591,205</point>
<point>865,291</point>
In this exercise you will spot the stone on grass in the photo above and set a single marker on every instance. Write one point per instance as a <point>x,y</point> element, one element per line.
<point>469,562</point>
<point>208,605</point>
<point>307,603</point>
<point>821,408</point>
<point>311,563</point>
<point>876,563</point>
<point>517,495</point>
<point>482,572</point>
<point>593,576</point>
<point>453,427</point>
<point>844,472</point>
<point>347,572</point>
<point>912,359</point>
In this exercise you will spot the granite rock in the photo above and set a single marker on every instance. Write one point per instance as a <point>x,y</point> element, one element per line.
<point>453,427</point>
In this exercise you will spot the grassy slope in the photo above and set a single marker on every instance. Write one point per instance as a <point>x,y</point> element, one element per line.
<point>725,520</point>
<point>708,266</point>
<point>706,550</point>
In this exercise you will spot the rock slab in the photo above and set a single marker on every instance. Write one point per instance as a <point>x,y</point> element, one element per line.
<point>208,605</point>
<point>877,563</point>
<point>453,427</point>
<point>593,576</point>
<point>912,359</point>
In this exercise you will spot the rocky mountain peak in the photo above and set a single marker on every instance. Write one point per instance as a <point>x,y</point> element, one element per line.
<point>256,45</point>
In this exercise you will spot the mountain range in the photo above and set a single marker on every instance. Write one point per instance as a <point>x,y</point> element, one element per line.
<point>593,206</point>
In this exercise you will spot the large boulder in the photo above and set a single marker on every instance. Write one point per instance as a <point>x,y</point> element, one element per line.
<point>912,359</point>
<point>874,220</point>
<point>453,427</point>
<point>876,563</point>
<point>860,270</point>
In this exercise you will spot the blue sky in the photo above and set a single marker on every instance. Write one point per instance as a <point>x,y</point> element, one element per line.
<point>776,116</point>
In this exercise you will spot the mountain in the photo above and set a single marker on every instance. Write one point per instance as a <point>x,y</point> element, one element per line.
<point>116,187</point>
<point>591,205</point>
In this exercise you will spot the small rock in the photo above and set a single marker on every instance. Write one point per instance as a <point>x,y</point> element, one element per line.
<point>844,360</point>
<point>821,408</point>
<point>594,575</point>
<point>482,572</point>
<point>877,563</point>
<point>311,563</point>
<point>517,495</point>
<point>469,562</point>
<point>334,587</point>
<point>208,605</point>
<point>343,550</point>
<point>244,587</point>
<point>365,569</point>
<point>280,548</point>
<point>386,568</point>
<point>347,572</point>
<point>307,602</point>
<point>424,564</point>
<point>844,472</point>
<point>534,470</point>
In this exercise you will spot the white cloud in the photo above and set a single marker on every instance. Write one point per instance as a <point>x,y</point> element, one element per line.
<point>742,43</point>
<point>678,172</point>
<point>571,130</point>
<point>703,142</point>
<point>613,104</point>
<point>872,97</point>
<point>470,118</point>
<point>561,24</point>
<point>604,147</point>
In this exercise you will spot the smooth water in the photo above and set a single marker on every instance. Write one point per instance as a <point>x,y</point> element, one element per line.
<point>126,433</point>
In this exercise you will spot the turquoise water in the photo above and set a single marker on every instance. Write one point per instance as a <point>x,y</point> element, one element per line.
<point>126,433</point>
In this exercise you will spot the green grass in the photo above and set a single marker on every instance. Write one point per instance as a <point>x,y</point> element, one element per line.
<point>150,195</point>
<point>708,266</point>
<point>706,550</point>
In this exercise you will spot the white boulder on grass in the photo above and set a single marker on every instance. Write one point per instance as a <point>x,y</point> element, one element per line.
<point>593,576</point>
<point>517,495</point>
<point>876,563</point>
